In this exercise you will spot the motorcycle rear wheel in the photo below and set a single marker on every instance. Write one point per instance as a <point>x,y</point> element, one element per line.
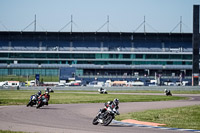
<point>39,105</point>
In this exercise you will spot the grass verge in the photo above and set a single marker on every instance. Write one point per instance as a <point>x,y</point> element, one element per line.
<point>181,117</point>
<point>14,97</point>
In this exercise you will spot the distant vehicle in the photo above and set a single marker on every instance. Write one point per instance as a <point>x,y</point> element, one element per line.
<point>119,83</point>
<point>178,83</point>
<point>108,83</point>
<point>96,84</point>
<point>169,83</point>
<point>185,83</point>
<point>4,84</point>
<point>60,85</point>
<point>137,82</point>
<point>9,84</point>
<point>152,84</point>
<point>74,83</point>
<point>102,91</point>
<point>30,83</point>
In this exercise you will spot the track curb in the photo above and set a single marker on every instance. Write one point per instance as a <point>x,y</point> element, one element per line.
<point>147,126</point>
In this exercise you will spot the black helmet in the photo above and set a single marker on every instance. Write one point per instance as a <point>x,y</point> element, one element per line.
<point>39,92</point>
<point>116,101</point>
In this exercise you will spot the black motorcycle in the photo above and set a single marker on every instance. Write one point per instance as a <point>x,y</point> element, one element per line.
<point>106,117</point>
<point>32,101</point>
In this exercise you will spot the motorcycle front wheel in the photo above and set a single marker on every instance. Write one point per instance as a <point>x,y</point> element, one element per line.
<point>107,120</point>
<point>95,122</point>
<point>29,103</point>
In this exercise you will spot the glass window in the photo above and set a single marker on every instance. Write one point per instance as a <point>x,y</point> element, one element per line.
<point>169,62</point>
<point>133,56</point>
<point>120,56</point>
<point>139,56</point>
<point>187,57</point>
<point>126,56</point>
<point>16,72</point>
<point>176,56</point>
<point>26,72</point>
<point>3,55</point>
<point>163,56</point>
<point>105,56</point>
<point>89,56</point>
<point>52,55</point>
<point>151,56</point>
<point>27,55</point>
<point>3,71</point>
<point>77,56</point>
<point>64,56</point>
<point>41,55</point>
<point>113,56</point>
<point>98,56</point>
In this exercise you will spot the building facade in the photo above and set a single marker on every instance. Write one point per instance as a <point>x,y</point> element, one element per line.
<point>96,54</point>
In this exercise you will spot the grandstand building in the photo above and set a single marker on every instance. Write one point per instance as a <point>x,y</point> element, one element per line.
<point>96,54</point>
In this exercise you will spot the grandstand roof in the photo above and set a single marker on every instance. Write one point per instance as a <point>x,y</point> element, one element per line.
<point>16,35</point>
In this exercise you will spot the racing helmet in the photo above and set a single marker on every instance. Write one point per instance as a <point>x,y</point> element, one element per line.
<point>39,92</point>
<point>46,90</point>
<point>116,101</point>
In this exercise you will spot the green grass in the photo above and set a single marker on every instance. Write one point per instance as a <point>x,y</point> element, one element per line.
<point>181,117</point>
<point>14,97</point>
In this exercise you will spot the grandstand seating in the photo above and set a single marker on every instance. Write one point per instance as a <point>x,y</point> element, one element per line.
<point>98,43</point>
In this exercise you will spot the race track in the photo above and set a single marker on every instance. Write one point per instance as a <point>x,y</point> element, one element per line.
<point>77,118</point>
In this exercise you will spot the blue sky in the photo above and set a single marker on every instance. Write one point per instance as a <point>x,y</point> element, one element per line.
<point>90,15</point>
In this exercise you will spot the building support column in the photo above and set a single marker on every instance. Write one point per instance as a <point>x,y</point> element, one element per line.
<point>195,45</point>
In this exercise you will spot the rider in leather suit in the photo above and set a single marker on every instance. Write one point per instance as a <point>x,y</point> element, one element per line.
<point>111,104</point>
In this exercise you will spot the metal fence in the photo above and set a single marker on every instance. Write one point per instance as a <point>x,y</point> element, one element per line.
<point>135,88</point>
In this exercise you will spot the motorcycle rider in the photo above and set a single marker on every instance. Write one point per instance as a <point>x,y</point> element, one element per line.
<point>46,95</point>
<point>38,94</point>
<point>34,98</point>
<point>101,89</point>
<point>113,105</point>
<point>167,92</point>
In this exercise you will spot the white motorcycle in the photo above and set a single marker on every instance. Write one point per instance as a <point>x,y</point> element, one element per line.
<point>102,91</point>
<point>106,117</point>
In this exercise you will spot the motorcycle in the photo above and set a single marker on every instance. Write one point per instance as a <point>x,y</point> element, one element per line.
<point>51,90</point>
<point>106,117</point>
<point>32,101</point>
<point>168,93</point>
<point>42,100</point>
<point>102,91</point>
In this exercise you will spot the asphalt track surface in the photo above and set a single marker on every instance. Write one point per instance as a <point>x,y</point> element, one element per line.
<point>77,118</point>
